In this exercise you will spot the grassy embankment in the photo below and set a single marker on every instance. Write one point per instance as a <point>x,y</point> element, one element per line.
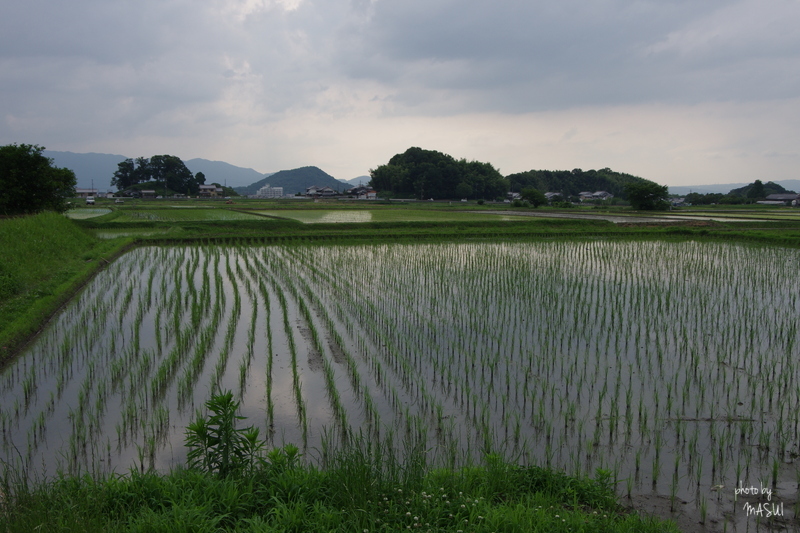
<point>44,259</point>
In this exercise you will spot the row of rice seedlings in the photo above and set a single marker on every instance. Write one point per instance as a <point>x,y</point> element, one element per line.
<point>296,387</point>
<point>322,281</point>
<point>559,344</point>
<point>582,290</point>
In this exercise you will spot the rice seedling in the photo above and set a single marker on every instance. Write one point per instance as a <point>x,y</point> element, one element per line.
<point>572,354</point>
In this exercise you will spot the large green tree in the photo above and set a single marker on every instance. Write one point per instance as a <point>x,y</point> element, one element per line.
<point>29,182</point>
<point>171,171</point>
<point>757,191</point>
<point>534,196</point>
<point>125,175</point>
<point>647,195</point>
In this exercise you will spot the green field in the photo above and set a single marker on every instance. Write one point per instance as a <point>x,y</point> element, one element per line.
<point>181,214</point>
<point>578,345</point>
<point>338,216</point>
<point>81,213</point>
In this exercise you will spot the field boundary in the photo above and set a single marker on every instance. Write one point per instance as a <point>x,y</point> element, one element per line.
<point>25,328</point>
<point>22,331</point>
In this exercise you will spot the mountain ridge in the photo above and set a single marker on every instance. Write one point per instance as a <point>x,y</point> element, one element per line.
<point>295,181</point>
<point>725,188</point>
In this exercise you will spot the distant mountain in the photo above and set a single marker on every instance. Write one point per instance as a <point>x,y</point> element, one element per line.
<point>98,169</point>
<point>724,188</point>
<point>294,181</point>
<point>355,182</point>
<point>90,169</point>
<point>222,173</point>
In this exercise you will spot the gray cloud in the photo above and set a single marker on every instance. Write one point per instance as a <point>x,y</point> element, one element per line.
<point>220,72</point>
<point>526,56</point>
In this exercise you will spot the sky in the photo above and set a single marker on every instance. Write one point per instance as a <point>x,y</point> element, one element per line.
<point>681,92</point>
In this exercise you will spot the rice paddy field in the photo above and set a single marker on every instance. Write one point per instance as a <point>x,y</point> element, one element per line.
<point>82,213</point>
<point>785,214</point>
<point>325,216</point>
<point>181,214</point>
<point>674,365</point>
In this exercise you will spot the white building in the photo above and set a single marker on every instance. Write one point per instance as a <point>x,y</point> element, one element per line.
<point>269,192</point>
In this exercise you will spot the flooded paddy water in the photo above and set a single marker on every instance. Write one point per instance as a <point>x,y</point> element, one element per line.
<point>673,365</point>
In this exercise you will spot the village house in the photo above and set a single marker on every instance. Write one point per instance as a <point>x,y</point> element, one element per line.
<point>210,191</point>
<point>781,199</point>
<point>320,192</point>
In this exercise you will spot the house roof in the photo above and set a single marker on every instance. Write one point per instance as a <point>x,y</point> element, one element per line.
<point>782,196</point>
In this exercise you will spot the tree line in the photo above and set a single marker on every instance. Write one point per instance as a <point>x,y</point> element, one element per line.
<point>424,174</point>
<point>570,183</point>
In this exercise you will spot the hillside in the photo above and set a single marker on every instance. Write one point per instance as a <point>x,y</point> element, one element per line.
<point>725,188</point>
<point>572,182</point>
<point>769,188</point>
<point>98,169</point>
<point>358,181</point>
<point>294,181</point>
<point>89,169</point>
<point>224,173</point>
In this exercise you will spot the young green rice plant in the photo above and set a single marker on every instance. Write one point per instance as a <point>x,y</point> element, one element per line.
<point>703,509</point>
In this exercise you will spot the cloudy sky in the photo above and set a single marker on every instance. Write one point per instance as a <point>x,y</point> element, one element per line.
<point>678,91</point>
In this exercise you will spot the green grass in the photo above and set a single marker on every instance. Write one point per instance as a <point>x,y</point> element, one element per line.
<point>181,214</point>
<point>87,212</point>
<point>43,260</point>
<point>362,489</point>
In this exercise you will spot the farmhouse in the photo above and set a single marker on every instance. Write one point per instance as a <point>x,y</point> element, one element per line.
<point>320,192</point>
<point>781,199</point>
<point>83,193</point>
<point>362,193</point>
<point>597,195</point>
<point>210,191</point>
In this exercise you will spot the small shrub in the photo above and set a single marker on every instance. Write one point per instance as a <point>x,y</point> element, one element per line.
<point>215,444</point>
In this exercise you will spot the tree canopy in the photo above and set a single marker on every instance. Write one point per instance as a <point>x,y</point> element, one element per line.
<point>424,174</point>
<point>167,170</point>
<point>534,196</point>
<point>646,195</point>
<point>29,182</point>
<point>572,182</point>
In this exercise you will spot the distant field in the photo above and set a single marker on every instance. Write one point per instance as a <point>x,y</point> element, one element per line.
<point>319,216</point>
<point>758,214</point>
<point>83,213</point>
<point>182,214</point>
